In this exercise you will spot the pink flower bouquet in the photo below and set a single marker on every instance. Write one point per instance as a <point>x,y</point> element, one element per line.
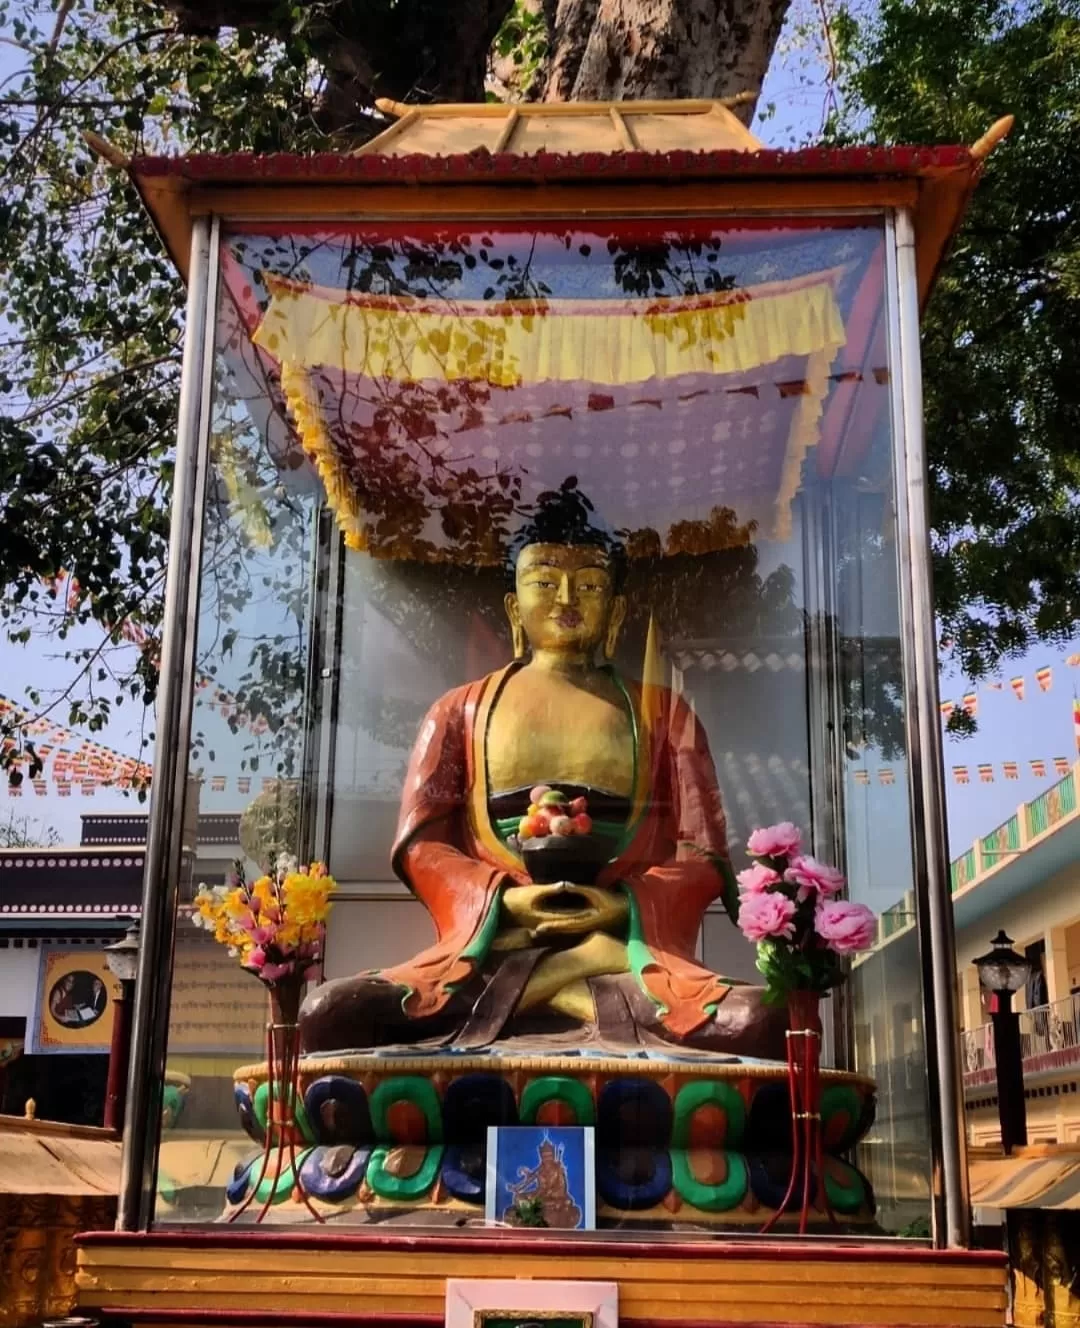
<point>789,906</point>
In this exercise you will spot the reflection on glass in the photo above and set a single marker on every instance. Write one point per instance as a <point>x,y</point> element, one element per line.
<point>542,566</point>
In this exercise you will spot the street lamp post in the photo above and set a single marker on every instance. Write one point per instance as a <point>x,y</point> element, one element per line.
<point>122,958</point>
<point>1002,971</point>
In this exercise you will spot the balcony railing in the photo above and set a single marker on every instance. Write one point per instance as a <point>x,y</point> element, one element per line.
<point>1051,806</point>
<point>1049,1040</point>
<point>1049,1029</point>
<point>978,1047</point>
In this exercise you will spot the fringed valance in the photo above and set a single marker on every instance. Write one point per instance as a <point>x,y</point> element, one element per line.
<point>388,393</point>
<point>603,342</point>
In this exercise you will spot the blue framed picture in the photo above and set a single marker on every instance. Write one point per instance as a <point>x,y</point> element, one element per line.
<point>541,1176</point>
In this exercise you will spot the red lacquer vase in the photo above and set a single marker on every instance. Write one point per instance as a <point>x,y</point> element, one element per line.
<point>283,1134</point>
<point>804,1089</point>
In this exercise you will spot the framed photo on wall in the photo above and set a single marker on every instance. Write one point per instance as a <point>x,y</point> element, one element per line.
<point>73,1010</point>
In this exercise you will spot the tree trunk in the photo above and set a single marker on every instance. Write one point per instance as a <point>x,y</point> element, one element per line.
<point>598,50</point>
<point>411,51</point>
<point>636,50</point>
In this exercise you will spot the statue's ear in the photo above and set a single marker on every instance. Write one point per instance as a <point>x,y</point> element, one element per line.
<point>517,631</point>
<point>615,623</point>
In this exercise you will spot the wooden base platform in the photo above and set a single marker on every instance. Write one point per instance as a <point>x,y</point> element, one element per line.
<point>263,1278</point>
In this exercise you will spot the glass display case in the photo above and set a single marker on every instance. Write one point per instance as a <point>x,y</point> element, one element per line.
<point>524,564</point>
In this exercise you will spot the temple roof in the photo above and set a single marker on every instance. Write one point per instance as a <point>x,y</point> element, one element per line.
<point>567,151</point>
<point>51,884</point>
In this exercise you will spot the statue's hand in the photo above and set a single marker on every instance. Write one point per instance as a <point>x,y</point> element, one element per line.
<point>564,909</point>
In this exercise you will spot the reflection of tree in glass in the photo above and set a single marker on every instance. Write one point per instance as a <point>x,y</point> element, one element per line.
<point>672,266</point>
<point>440,529</point>
<point>399,439</point>
<point>870,671</point>
<point>255,590</point>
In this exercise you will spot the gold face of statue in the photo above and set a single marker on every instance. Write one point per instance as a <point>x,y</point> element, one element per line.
<point>565,598</point>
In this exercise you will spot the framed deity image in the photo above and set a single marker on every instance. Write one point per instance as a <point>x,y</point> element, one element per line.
<point>541,1176</point>
<point>498,1303</point>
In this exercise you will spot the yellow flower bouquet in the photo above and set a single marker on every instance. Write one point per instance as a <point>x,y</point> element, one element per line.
<point>276,926</point>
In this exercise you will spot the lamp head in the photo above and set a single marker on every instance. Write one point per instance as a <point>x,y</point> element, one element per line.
<point>1002,969</point>
<point>122,956</point>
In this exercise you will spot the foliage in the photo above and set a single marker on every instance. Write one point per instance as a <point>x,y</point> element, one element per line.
<point>520,49</point>
<point>1001,337</point>
<point>90,328</point>
<point>528,1213</point>
<point>23,832</point>
<point>91,333</point>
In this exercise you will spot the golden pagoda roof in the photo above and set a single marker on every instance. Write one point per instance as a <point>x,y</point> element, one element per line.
<point>561,127</point>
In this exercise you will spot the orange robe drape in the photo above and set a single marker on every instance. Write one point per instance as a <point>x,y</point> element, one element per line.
<point>673,861</point>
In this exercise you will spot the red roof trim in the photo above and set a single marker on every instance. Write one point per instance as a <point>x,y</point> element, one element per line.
<point>482,165</point>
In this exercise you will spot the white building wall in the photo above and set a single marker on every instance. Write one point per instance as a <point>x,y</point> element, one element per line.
<point>1054,904</point>
<point>18,981</point>
<point>375,933</point>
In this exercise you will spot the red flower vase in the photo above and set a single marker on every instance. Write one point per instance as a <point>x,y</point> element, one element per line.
<point>283,1134</point>
<point>804,1089</point>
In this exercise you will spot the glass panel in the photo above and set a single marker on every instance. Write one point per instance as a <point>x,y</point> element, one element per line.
<point>607,508</point>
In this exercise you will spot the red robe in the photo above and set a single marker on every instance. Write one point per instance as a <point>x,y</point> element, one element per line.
<point>673,862</point>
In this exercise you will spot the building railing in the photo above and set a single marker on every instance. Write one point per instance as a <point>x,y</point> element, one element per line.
<point>963,870</point>
<point>1049,1038</point>
<point>1050,807</point>
<point>1000,842</point>
<point>978,1049</point>
<point>1048,1029</point>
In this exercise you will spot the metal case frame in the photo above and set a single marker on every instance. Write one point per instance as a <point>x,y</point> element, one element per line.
<point>175,700</point>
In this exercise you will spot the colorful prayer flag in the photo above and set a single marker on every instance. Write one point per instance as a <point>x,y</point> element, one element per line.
<point>1017,684</point>
<point>995,686</point>
<point>885,775</point>
<point>971,703</point>
<point>1045,678</point>
<point>217,784</point>
<point>1061,765</point>
<point>244,783</point>
<point>986,774</point>
<point>1038,769</point>
<point>946,708</point>
<point>960,774</point>
<point>1073,661</point>
<point>1076,721</point>
<point>1010,769</point>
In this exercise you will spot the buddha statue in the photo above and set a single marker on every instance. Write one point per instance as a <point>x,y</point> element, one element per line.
<point>610,963</point>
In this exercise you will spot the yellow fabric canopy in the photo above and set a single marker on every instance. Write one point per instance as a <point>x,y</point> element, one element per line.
<point>603,342</point>
<point>585,344</point>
